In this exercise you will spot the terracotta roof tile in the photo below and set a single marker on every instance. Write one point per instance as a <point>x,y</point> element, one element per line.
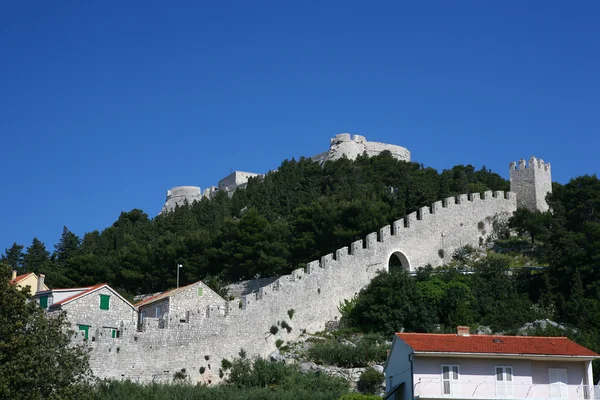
<point>20,278</point>
<point>88,290</point>
<point>495,344</point>
<point>162,295</point>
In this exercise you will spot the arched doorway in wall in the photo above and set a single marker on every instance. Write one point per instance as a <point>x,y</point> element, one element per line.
<point>398,261</point>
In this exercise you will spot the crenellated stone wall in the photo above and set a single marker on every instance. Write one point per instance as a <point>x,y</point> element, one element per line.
<point>222,328</point>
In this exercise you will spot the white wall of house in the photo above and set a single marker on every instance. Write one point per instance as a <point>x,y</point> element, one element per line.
<point>477,378</point>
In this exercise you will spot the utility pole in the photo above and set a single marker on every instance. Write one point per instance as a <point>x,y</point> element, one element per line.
<point>178,266</point>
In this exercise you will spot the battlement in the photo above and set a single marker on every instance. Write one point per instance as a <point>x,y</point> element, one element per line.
<point>533,163</point>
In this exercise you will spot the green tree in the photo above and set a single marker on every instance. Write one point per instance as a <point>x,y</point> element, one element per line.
<point>37,358</point>
<point>13,256</point>
<point>37,258</point>
<point>67,247</point>
<point>390,302</point>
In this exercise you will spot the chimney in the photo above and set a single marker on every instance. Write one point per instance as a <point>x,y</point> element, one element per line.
<point>13,275</point>
<point>41,283</point>
<point>462,330</point>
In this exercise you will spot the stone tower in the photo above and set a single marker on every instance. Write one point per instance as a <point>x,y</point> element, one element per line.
<point>531,183</point>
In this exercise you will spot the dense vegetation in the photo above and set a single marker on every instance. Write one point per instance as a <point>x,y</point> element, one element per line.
<point>37,360</point>
<point>295,215</point>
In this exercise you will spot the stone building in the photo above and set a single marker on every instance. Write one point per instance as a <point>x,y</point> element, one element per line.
<point>182,305</point>
<point>96,313</point>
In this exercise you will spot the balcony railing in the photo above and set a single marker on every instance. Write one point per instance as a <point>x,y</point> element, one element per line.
<point>437,389</point>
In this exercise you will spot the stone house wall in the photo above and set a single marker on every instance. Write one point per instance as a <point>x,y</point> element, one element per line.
<point>85,310</point>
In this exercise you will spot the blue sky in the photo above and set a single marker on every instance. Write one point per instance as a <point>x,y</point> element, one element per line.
<point>105,105</point>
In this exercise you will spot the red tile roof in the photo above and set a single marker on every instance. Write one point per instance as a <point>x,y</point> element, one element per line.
<point>20,278</point>
<point>492,344</point>
<point>162,295</point>
<point>88,290</point>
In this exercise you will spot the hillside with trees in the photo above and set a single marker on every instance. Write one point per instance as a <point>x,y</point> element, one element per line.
<point>295,215</point>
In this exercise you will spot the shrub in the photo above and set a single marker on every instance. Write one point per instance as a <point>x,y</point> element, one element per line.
<point>370,381</point>
<point>286,326</point>
<point>274,329</point>
<point>369,348</point>
<point>291,312</point>
<point>242,353</point>
<point>356,396</point>
<point>278,343</point>
<point>180,375</point>
<point>225,364</point>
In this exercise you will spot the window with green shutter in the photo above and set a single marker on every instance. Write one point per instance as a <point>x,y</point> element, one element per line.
<point>104,302</point>
<point>85,329</point>
<point>200,292</point>
<point>44,302</point>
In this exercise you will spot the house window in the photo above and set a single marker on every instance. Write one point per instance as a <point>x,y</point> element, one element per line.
<point>44,302</point>
<point>558,383</point>
<point>504,383</point>
<point>104,302</point>
<point>200,292</point>
<point>86,330</point>
<point>157,312</point>
<point>114,333</point>
<point>450,380</point>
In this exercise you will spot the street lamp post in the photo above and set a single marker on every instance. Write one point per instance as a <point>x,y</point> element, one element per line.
<point>178,266</point>
<point>443,250</point>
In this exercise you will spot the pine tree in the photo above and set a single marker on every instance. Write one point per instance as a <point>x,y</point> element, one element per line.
<point>67,248</point>
<point>37,258</point>
<point>14,257</point>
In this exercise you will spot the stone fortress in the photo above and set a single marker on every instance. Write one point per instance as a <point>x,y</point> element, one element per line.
<point>341,145</point>
<point>191,329</point>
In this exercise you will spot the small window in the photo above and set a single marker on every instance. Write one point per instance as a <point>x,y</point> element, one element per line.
<point>86,330</point>
<point>114,333</point>
<point>157,312</point>
<point>104,302</point>
<point>44,302</point>
<point>200,292</point>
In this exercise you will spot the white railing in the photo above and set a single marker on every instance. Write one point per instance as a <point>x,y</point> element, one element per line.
<point>436,389</point>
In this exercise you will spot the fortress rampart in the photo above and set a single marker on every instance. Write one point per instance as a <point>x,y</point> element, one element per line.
<point>350,146</point>
<point>181,195</point>
<point>220,330</point>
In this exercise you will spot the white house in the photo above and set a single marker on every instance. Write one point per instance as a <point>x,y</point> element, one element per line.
<point>463,366</point>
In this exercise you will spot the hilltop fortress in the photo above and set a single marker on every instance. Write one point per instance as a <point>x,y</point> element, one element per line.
<point>192,329</point>
<point>340,145</point>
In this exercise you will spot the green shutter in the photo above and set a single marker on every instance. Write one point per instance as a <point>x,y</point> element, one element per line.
<point>44,302</point>
<point>199,292</point>
<point>104,302</point>
<point>114,333</point>
<point>86,329</point>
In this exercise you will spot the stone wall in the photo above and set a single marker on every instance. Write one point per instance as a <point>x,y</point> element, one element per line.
<point>218,329</point>
<point>180,195</point>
